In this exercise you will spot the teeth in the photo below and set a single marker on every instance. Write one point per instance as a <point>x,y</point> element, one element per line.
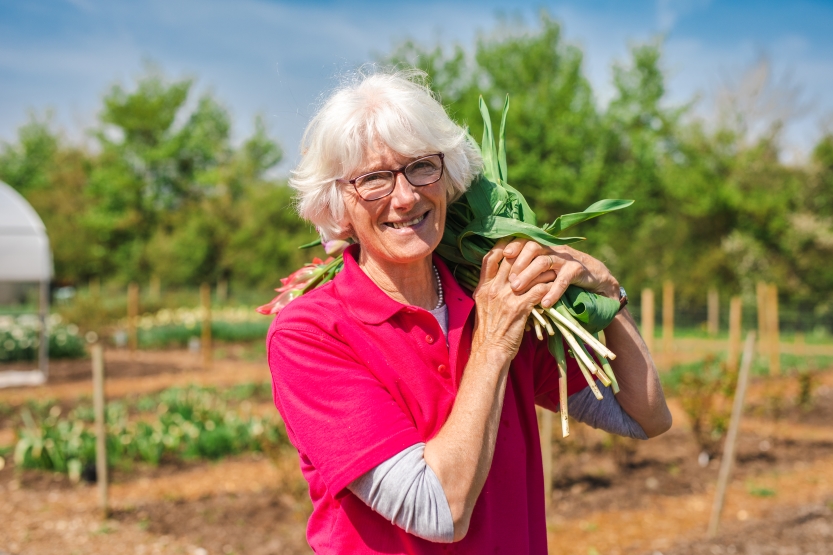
<point>400,225</point>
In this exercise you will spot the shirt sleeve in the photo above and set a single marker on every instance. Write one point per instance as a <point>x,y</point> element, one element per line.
<point>405,490</point>
<point>604,414</point>
<point>336,411</point>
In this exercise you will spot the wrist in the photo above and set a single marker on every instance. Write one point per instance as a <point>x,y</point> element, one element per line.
<point>488,354</point>
<point>623,298</point>
<point>610,290</point>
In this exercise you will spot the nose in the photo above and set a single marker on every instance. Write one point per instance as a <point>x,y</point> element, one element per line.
<point>404,195</point>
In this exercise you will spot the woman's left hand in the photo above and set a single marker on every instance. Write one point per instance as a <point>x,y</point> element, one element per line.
<point>534,263</point>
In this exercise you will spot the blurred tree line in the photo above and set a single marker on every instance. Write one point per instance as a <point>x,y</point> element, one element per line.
<point>165,193</point>
<point>713,208</point>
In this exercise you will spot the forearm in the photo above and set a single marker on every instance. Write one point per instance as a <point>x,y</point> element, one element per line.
<point>640,393</point>
<point>461,453</point>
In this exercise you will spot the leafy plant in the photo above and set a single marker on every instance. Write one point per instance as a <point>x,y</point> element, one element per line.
<point>706,391</point>
<point>178,423</point>
<point>20,338</point>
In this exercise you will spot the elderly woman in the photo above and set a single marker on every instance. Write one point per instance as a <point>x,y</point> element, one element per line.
<point>412,404</point>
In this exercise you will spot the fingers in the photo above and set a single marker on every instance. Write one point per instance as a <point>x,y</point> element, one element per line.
<point>568,274</point>
<point>524,276</point>
<point>536,294</point>
<point>514,247</point>
<point>491,262</point>
<point>527,251</point>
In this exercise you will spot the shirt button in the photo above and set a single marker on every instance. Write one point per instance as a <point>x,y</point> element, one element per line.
<point>429,339</point>
<point>442,369</point>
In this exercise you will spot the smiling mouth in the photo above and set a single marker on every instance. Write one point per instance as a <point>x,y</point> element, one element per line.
<point>409,223</point>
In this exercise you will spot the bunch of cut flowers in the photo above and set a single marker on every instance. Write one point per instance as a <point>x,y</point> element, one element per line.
<point>490,210</point>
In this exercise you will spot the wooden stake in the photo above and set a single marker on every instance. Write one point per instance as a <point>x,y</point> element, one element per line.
<point>133,316</point>
<point>713,312</point>
<point>648,316</point>
<point>100,428</point>
<point>43,317</point>
<point>760,297</point>
<point>735,319</point>
<point>773,328</point>
<point>668,321</point>
<point>728,458</point>
<point>207,353</point>
<point>546,453</point>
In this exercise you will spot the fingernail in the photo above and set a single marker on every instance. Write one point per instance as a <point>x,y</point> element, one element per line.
<point>546,303</point>
<point>510,250</point>
<point>514,282</point>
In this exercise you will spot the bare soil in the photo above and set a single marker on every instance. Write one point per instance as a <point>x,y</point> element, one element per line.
<point>609,496</point>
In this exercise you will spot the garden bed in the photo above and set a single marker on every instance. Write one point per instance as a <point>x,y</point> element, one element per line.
<point>609,496</point>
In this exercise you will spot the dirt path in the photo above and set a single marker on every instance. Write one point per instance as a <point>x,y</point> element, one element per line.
<point>140,372</point>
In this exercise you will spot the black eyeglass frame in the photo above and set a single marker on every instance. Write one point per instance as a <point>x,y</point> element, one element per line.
<point>402,171</point>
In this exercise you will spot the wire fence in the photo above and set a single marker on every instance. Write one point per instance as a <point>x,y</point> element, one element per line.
<point>804,318</point>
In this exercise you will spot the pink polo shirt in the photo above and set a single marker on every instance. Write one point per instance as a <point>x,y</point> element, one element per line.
<point>358,377</point>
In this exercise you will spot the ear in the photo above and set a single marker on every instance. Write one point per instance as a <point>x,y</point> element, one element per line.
<point>346,230</point>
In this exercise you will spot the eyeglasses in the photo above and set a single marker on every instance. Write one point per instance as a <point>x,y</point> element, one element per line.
<point>419,173</point>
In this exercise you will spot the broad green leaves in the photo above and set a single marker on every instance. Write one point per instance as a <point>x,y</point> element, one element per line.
<point>492,209</point>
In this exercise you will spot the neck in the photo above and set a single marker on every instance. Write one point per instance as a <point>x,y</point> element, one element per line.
<point>411,283</point>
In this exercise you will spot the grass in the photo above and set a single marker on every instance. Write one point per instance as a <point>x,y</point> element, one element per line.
<point>790,364</point>
<point>761,492</point>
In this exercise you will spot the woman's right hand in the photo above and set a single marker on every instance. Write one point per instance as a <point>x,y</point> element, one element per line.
<point>501,312</point>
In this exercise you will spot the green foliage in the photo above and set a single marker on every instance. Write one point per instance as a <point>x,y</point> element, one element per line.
<point>706,390</point>
<point>711,209</point>
<point>176,424</point>
<point>178,335</point>
<point>761,492</point>
<point>164,193</point>
<point>20,339</point>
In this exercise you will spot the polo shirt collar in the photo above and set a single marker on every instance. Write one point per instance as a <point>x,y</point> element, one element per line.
<point>371,305</point>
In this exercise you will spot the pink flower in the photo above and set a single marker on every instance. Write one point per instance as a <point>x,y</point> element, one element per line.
<point>335,247</point>
<point>278,303</point>
<point>294,284</point>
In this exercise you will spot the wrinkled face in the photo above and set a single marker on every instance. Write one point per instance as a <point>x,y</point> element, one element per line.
<point>403,227</point>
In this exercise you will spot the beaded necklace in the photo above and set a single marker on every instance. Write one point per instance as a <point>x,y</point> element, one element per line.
<point>440,300</point>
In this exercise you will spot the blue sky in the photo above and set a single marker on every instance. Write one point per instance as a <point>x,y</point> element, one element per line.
<point>279,57</point>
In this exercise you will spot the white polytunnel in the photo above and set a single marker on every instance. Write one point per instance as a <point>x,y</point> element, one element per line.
<point>25,257</point>
<point>24,246</point>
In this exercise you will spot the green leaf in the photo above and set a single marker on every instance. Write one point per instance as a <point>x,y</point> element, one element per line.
<point>555,345</point>
<point>497,227</point>
<point>483,195</point>
<point>503,168</point>
<point>595,312</point>
<point>595,210</point>
<point>487,147</point>
<point>310,244</point>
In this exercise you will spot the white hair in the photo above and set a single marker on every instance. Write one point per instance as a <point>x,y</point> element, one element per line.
<point>392,108</point>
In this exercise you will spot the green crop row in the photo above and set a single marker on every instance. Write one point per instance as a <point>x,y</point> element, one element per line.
<point>176,424</point>
<point>20,338</point>
<point>172,335</point>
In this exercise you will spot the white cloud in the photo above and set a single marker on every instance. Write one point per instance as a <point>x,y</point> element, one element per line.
<point>668,12</point>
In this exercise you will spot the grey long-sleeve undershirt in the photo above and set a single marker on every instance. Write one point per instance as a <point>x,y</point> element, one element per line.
<point>405,490</point>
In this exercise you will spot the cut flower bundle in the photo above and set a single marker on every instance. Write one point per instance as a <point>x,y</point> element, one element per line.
<point>490,210</point>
